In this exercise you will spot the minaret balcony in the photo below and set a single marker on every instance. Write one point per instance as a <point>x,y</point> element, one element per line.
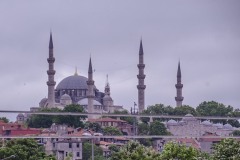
<point>179,98</point>
<point>90,82</point>
<point>51,60</point>
<point>51,83</point>
<point>179,86</point>
<point>141,66</point>
<point>51,72</point>
<point>141,76</point>
<point>141,86</point>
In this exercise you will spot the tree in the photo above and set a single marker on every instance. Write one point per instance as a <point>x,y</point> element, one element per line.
<point>4,119</point>
<point>143,129</point>
<point>157,128</point>
<point>72,120</point>
<point>157,109</point>
<point>87,151</point>
<point>113,148</point>
<point>236,133</point>
<point>227,149</point>
<point>183,110</point>
<point>24,149</point>
<point>213,108</point>
<point>96,127</point>
<point>112,131</point>
<point>174,151</point>
<point>45,121</point>
<point>135,151</point>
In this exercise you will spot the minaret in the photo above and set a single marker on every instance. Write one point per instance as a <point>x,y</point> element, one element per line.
<point>90,83</point>
<point>107,88</point>
<point>51,72</point>
<point>141,76</point>
<point>107,99</point>
<point>179,87</point>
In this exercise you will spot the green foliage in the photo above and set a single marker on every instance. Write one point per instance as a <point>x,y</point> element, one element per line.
<point>174,151</point>
<point>113,148</point>
<point>143,129</point>
<point>112,131</point>
<point>183,110</point>
<point>4,119</point>
<point>96,127</point>
<point>72,120</point>
<point>135,151</point>
<point>213,109</point>
<point>24,149</point>
<point>87,151</point>
<point>45,121</point>
<point>157,109</point>
<point>227,149</point>
<point>236,133</point>
<point>157,128</point>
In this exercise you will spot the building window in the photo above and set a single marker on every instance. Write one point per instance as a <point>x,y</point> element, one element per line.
<point>70,145</point>
<point>78,154</point>
<point>77,145</point>
<point>66,154</point>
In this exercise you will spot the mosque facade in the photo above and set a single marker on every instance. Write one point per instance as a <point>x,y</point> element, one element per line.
<point>78,89</point>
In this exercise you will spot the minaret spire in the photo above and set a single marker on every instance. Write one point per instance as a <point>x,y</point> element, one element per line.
<point>90,83</point>
<point>51,72</point>
<point>141,76</point>
<point>179,87</point>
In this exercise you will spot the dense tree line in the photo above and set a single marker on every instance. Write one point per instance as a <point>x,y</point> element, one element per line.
<point>227,149</point>
<point>23,149</point>
<point>210,108</point>
<point>45,121</point>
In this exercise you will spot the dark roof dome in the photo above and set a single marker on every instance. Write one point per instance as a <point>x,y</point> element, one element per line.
<point>73,82</point>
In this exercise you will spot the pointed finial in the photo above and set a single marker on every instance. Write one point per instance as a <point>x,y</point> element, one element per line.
<point>76,72</point>
<point>179,69</point>
<point>141,48</point>
<point>51,42</point>
<point>107,83</point>
<point>90,66</point>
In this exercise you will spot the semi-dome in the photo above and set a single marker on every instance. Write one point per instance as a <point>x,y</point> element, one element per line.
<point>73,82</point>
<point>65,97</point>
<point>107,98</point>
<point>218,125</point>
<point>207,123</point>
<point>171,122</point>
<point>228,126</point>
<point>188,117</point>
<point>84,102</point>
<point>43,102</point>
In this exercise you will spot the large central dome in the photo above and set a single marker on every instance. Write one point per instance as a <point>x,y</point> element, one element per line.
<point>73,82</point>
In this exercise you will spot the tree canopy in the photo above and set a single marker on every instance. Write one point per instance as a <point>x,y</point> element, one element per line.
<point>87,151</point>
<point>227,149</point>
<point>112,131</point>
<point>24,149</point>
<point>157,128</point>
<point>135,151</point>
<point>4,119</point>
<point>45,121</point>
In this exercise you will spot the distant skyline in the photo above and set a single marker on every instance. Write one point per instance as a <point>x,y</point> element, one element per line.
<point>204,35</point>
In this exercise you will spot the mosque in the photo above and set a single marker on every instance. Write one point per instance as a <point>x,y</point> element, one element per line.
<point>77,89</point>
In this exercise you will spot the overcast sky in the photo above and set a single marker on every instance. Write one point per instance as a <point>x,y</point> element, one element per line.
<point>203,34</point>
